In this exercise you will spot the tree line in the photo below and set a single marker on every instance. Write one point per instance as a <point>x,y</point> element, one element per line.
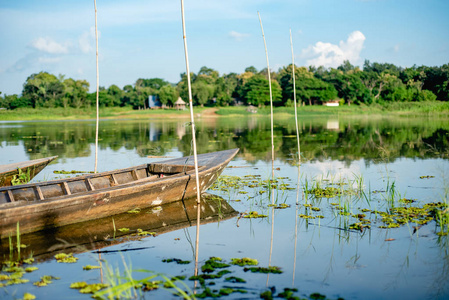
<point>374,83</point>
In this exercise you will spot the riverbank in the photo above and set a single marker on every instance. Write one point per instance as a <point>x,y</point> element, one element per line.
<point>435,108</point>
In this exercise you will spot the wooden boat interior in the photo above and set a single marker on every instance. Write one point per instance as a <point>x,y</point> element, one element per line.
<point>92,182</point>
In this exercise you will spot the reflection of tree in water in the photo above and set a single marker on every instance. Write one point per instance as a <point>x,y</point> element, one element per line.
<point>348,140</point>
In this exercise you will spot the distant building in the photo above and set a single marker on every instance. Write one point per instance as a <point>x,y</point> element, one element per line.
<point>251,109</point>
<point>180,104</point>
<point>332,103</point>
<point>153,102</point>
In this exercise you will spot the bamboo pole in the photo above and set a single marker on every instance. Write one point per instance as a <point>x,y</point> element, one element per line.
<point>294,97</point>
<point>98,91</point>
<point>193,136</point>
<point>299,156</point>
<point>271,98</point>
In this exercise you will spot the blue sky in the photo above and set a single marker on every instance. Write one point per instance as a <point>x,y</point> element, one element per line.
<point>143,39</point>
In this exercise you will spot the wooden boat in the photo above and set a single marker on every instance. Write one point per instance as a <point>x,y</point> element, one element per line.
<point>61,202</point>
<point>7,172</point>
<point>99,233</point>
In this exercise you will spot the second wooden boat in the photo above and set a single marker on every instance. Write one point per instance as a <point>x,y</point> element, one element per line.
<point>61,202</point>
<point>31,167</point>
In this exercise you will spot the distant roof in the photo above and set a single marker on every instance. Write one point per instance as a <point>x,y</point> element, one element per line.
<point>179,101</point>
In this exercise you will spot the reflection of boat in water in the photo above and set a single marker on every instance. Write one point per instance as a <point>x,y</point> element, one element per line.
<point>61,202</point>
<point>99,233</point>
<point>7,172</point>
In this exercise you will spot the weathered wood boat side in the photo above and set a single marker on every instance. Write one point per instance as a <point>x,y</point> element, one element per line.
<point>8,171</point>
<point>99,233</point>
<point>67,201</point>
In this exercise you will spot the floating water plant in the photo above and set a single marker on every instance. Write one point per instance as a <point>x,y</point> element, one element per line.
<point>85,288</point>
<point>28,296</point>
<point>141,232</point>
<point>234,279</point>
<point>176,260</point>
<point>426,177</point>
<point>213,263</point>
<point>65,258</point>
<point>31,269</point>
<point>279,206</point>
<point>254,215</point>
<point>45,280</point>
<point>270,269</point>
<point>245,261</point>
<point>89,267</point>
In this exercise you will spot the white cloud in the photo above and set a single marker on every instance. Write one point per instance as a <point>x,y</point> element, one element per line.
<point>86,41</point>
<point>48,60</point>
<point>48,45</point>
<point>330,55</point>
<point>396,48</point>
<point>238,36</point>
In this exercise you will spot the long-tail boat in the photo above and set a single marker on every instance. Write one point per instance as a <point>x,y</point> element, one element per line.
<point>31,168</point>
<point>55,203</point>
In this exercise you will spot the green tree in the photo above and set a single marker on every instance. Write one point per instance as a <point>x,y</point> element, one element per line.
<point>256,91</point>
<point>251,69</point>
<point>154,83</point>
<point>225,88</point>
<point>75,93</point>
<point>168,95</point>
<point>202,92</point>
<point>43,90</point>
<point>348,83</point>
<point>308,88</point>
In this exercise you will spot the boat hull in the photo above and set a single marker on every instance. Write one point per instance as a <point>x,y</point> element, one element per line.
<point>100,233</point>
<point>35,214</point>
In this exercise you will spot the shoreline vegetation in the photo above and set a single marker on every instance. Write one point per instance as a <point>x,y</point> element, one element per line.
<point>438,109</point>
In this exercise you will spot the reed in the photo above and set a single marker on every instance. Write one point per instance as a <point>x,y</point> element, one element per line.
<point>125,286</point>
<point>18,240</point>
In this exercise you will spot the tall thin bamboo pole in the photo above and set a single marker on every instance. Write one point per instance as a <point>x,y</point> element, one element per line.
<point>193,135</point>
<point>98,91</point>
<point>271,98</point>
<point>294,98</point>
<point>299,155</point>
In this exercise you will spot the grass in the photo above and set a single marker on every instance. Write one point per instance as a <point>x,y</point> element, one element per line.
<point>410,108</point>
<point>436,108</point>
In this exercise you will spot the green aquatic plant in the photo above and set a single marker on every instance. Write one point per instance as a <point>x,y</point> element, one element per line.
<point>85,288</point>
<point>176,260</point>
<point>125,286</point>
<point>28,296</point>
<point>31,269</point>
<point>245,261</point>
<point>66,258</point>
<point>141,232</point>
<point>89,267</point>
<point>45,280</point>
<point>234,279</point>
<point>22,177</point>
<point>254,215</point>
<point>213,263</point>
<point>270,269</point>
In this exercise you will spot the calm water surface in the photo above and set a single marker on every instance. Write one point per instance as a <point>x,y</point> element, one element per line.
<point>380,159</point>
